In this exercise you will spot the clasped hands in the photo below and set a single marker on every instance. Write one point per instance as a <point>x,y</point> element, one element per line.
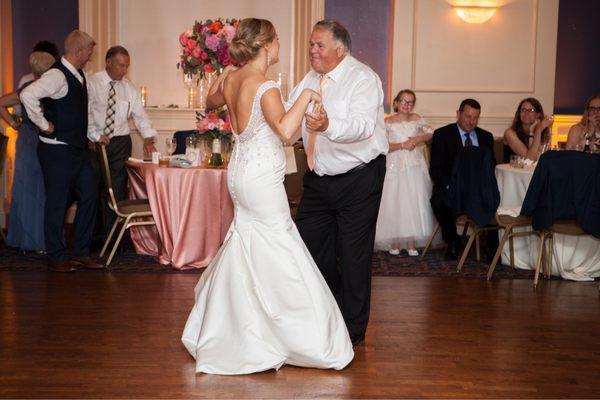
<point>316,120</point>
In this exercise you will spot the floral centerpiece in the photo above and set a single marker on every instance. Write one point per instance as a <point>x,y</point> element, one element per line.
<point>214,134</point>
<point>204,48</point>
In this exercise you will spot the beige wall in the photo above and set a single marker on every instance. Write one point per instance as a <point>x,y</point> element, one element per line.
<point>500,62</point>
<point>150,30</point>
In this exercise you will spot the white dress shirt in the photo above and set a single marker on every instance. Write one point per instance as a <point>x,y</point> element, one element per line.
<point>128,104</point>
<point>53,84</point>
<point>353,101</point>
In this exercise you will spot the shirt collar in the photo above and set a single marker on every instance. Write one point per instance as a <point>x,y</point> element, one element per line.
<point>106,79</point>
<point>462,132</point>
<point>70,67</point>
<point>339,70</point>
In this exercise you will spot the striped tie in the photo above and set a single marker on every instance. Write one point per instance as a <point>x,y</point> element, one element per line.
<point>109,122</point>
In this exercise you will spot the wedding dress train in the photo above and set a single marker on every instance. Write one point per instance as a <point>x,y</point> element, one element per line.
<point>262,301</point>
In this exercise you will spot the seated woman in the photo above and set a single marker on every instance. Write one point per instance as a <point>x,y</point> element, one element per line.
<point>26,221</point>
<point>529,131</point>
<point>585,135</point>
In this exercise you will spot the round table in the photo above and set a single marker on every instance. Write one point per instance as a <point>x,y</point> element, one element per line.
<point>192,209</point>
<point>574,257</point>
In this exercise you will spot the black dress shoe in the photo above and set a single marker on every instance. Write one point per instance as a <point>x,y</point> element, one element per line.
<point>86,262</point>
<point>60,266</point>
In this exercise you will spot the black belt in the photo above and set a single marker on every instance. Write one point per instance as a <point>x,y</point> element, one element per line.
<point>363,165</point>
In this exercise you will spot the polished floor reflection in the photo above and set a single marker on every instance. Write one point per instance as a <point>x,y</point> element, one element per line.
<point>117,335</point>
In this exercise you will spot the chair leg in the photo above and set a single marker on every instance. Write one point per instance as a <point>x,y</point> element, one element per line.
<point>430,240</point>
<point>512,251</point>
<point>550,254</point>
<point>110,235</point>
<point>538,264</point>
<point>116,245</point>
<point>477,248</point>
<point>465,229</point>
<point>2,235</point>
<point>505,236</point>
<point>467,249</point>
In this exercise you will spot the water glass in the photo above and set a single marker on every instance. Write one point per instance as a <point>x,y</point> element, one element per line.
<point>170,145</point>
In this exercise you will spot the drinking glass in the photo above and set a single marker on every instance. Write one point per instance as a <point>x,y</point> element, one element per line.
<point>170,145</point>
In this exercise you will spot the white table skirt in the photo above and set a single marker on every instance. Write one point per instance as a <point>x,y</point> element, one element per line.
<point>574,257</point>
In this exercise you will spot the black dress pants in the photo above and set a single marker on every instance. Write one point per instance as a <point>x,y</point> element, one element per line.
<point>68,177</point>
<point>444,215</point>
<point>336,219</point>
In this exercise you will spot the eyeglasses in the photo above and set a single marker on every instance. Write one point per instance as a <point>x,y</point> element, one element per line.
<point>528,110</point>
<point>593,109</point>
<point>407,102</point>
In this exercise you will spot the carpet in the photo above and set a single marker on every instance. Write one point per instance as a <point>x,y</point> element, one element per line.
<point>384,264</point>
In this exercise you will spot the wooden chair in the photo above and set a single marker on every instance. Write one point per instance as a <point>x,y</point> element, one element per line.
<point>508,223</point>
<point>563,227</point>
<point>461,220</point>
<point>3,144</point>
<point>129,212</point>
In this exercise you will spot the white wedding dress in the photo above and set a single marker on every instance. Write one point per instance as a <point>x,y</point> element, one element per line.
<point>262,301</point>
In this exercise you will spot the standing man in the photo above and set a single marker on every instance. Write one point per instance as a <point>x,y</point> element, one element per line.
<point>62,151</point>
<point>113,100</point>
<point>447,141</point>
<point>345,146</point>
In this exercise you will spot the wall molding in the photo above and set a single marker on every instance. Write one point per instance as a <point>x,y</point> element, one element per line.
<point>101,19</point>
<point>530,89</point>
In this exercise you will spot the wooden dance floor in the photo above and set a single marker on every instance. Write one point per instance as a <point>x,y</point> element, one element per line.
<point>102,335</point>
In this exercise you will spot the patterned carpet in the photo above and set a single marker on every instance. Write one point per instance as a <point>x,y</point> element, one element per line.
<point>384,264</point>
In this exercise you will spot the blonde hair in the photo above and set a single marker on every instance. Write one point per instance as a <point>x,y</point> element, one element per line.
<point>78,40</point>
<point>40,62</point>
<point>251,35</point>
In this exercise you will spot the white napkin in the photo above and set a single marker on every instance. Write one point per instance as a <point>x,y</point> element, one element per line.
<point>132,159</point>
<point>510,211</point>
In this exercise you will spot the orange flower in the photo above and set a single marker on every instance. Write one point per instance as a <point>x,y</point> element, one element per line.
<point>216,26</point>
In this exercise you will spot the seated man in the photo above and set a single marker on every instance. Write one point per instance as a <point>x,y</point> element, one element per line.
<point>447,141</point>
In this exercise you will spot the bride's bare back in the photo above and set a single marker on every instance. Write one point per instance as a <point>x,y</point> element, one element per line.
<point>239,89</point>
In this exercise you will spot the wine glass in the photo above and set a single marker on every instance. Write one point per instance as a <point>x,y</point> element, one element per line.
<point>170,145</point>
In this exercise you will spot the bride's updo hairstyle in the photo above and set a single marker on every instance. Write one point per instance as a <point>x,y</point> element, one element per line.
<point>251,35</point>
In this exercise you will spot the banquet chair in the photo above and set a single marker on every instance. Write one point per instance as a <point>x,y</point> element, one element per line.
<point>129,212</point>
<point>509,223</point>
<point>562,227</point>
<point>462,220</point>
<point>3,144</point>
<point>180,137</point>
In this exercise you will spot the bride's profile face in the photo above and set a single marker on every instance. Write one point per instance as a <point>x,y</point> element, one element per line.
<point>274,50</point>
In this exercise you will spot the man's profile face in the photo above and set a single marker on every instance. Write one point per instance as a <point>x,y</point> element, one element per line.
<point>117,66</point>
<point>325,52</point>
<point>468,118</point>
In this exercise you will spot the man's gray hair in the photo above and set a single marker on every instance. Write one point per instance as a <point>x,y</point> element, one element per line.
<point>78,40</point>
<point>339,31</point>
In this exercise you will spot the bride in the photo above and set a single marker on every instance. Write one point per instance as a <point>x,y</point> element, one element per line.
<point>262,301</point>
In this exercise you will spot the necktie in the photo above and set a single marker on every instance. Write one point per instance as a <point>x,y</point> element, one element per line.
<point>312,136</point>
<point>468,141</point>
<point>109,122</point>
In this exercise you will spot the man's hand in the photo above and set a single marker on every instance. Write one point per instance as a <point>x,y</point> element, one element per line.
<point>104,139</point>
<point>317,122</point>
<point>149,146</point>
<point>50,129</point>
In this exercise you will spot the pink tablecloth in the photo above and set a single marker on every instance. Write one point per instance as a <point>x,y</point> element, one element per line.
<point>192,210</point>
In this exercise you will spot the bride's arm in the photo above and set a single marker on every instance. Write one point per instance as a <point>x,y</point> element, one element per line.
<point>283,123</point>
<point>215,97</point>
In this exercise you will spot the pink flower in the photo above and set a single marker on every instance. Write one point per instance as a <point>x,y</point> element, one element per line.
<point>196,52</point>
<point>183,39</point>
<point>223,54</point>
<point>208,68</point>
<point>191,43</point>
<point>212,42</point>
<point>203,55</point>
<point>229,32</point>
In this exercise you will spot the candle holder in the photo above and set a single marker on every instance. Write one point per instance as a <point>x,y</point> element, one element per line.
<point>144,95</point>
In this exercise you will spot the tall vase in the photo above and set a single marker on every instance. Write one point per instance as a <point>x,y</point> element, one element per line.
<point>191,83</point>
<point>204,85</point>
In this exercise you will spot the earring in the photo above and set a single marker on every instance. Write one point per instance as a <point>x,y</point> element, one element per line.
<point>268,59</point>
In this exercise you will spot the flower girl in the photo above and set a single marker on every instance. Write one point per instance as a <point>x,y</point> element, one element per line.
<point>405,216</point>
